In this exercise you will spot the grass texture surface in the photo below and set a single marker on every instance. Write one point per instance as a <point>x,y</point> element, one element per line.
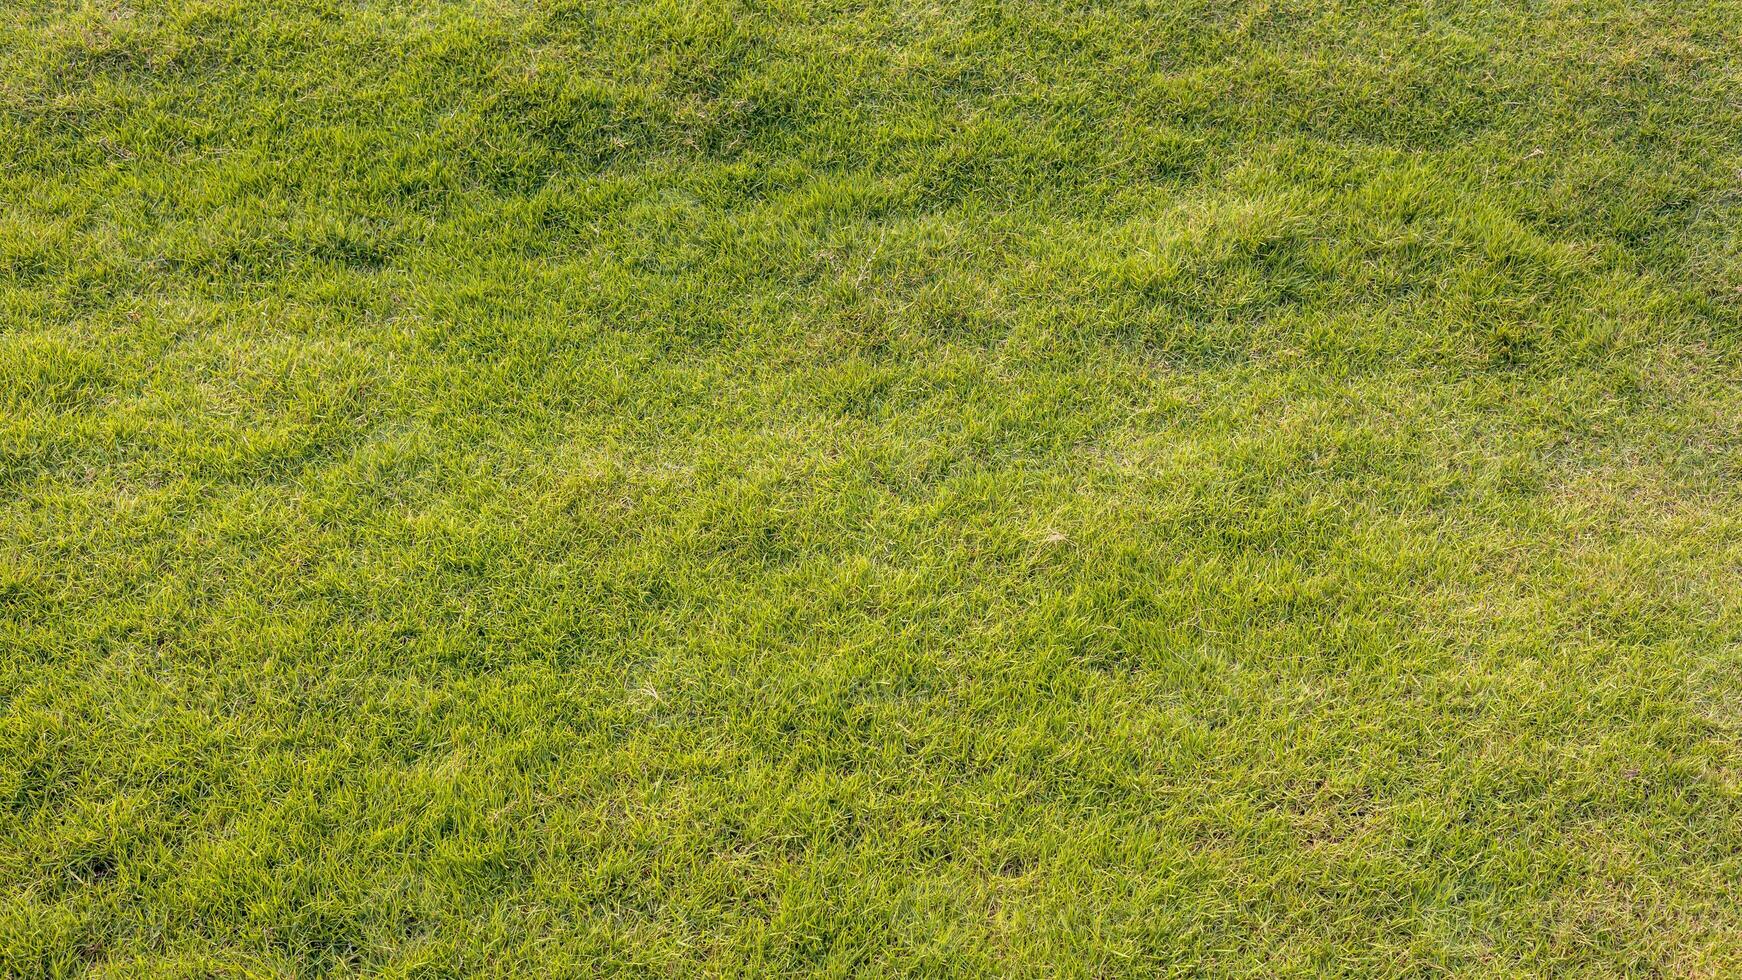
<point>708,488</point>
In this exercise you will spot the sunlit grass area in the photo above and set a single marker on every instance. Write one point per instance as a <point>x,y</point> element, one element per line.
<point>1066,489</point>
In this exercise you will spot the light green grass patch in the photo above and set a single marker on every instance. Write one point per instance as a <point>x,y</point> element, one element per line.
<point>759,489</point>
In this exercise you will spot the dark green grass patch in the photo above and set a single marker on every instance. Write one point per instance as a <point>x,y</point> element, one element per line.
<point>539,488</point>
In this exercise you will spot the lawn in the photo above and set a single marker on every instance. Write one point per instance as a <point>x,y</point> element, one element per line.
<point>1090,488</point>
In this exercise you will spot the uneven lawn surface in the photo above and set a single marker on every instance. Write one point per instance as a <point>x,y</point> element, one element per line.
<point>956,489</point>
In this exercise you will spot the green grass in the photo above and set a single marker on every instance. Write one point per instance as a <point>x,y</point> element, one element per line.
<point>1067,489</point>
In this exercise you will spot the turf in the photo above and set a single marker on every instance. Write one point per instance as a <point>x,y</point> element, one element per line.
<point>1067,489</point>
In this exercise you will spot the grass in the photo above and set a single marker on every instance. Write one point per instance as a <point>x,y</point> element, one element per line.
<point>692,487</point>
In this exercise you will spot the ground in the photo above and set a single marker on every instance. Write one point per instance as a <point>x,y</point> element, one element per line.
<point>1057,489</point>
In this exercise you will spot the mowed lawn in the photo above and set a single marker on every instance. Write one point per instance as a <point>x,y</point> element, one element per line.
<point>534,488</point>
